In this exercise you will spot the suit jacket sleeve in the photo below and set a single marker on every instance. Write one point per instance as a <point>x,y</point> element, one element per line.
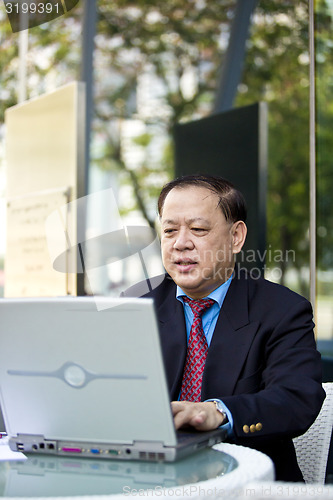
<point>263,354</point>
<point>279,390</point>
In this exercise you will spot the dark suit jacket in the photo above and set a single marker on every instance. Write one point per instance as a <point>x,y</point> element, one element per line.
<point>262,363</point>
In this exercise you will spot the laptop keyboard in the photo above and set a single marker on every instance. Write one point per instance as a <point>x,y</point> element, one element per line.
<point>185,435</point>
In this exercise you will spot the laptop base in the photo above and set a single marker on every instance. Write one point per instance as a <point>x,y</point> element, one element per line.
<point>147,451</point>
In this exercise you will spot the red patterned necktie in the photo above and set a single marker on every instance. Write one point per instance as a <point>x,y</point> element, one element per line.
<point>197,349</point>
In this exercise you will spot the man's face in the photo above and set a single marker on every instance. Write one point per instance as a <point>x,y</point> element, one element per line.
<point>198,244</point>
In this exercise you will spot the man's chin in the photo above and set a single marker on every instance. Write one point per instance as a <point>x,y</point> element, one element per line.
<point>186,281</point>
<point>186,273</point>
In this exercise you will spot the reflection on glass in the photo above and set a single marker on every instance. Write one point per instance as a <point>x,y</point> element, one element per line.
<point>324,148</point>
<point>276,71</point>
<point>59,476</point>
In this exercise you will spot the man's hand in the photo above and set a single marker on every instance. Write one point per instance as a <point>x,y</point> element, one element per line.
<point>201,416</point>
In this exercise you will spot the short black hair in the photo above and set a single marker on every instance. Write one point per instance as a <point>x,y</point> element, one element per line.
<point>232,202</point>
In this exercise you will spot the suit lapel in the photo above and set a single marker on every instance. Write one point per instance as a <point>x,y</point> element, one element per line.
<point>230,344</point>
<point>173,339</point>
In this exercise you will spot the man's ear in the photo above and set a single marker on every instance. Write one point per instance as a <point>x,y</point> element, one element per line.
<point>239,232</point>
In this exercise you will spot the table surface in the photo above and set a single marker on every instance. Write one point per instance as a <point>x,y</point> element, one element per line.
<point>224,466</point>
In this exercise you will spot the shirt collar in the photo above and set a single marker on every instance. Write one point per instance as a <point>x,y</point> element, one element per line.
<point>218,294</point>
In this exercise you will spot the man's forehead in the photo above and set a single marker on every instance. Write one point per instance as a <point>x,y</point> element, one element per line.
<point>197,191</point>
<point>188,196</point>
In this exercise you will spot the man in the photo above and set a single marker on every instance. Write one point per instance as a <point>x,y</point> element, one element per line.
<point>256,369</point>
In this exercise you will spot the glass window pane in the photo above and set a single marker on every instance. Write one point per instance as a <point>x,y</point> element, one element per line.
<point>324,148</point>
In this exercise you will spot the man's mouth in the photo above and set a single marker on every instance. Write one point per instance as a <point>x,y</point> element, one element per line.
<point>185,265</point>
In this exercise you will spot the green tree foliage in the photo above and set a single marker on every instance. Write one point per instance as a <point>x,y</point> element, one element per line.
<point>324,107</point>
<point>171,51</point>
<point>53,59</point>
<point>8,66</point>
<point>156,63</point>
<point>277,71</point>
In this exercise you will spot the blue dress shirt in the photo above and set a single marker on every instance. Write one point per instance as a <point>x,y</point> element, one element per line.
<point>209,319</point>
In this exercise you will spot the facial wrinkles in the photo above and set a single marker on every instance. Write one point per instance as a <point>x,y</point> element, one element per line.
<point>199,246</point>
<point>180,218</point>
<point>198,253</point>
<point>202,210</point>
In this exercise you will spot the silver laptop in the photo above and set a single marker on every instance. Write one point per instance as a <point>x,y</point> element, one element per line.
<point>84,376</point>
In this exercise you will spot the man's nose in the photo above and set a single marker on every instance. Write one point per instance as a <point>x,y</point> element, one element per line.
<point>183,240</point>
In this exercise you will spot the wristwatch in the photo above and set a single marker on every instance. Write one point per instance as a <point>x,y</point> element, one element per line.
<point>220,408</point>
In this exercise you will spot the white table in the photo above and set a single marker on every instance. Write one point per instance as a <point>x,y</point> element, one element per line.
<point>219,472</point>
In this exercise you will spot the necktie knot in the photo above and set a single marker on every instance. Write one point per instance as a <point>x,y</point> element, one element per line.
<point>199,306</point>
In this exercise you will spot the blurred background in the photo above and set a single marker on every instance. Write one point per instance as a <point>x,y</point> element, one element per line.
<point>150,65</point>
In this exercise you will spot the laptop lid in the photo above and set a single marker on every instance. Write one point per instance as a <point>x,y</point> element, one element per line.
<point>78,370</point>
<point>71,371</point>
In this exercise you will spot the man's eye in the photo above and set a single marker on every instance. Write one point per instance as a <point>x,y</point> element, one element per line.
<point>198,229</point>
<point>169,231</point>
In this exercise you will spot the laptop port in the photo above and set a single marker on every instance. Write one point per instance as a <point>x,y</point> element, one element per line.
<point>72,450</point>
<point>19,446</point>
<point>42,446</point>
<point>114,452</point>
<point>50,446</point>
<point>35,447</point>
<point>96,451</point>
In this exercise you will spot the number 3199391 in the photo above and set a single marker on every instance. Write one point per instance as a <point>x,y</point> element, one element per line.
<point>31,8</point>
